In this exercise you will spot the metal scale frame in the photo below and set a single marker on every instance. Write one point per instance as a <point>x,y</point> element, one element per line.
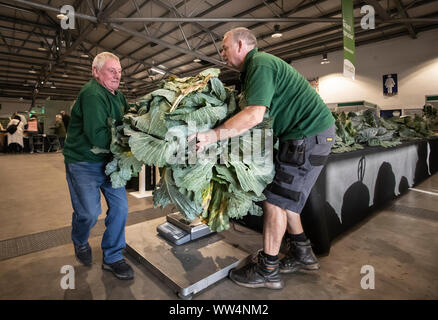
<point>186,256</point>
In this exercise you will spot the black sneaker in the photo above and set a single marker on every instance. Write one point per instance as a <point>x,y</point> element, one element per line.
<point>83,254</point>
<point>300,256</point>
<point>263,273</point>
<point>121,269</point>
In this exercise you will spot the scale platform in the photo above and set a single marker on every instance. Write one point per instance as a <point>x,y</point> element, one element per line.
<point>191,267</point>
<point>179,230</point>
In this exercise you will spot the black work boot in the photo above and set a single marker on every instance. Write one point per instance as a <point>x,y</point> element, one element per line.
<point>120,269</point>
<point>300,256</point>
<point>83,254</point>
<point>264,273</point>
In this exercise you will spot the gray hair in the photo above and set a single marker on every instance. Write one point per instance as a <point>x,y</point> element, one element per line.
<point>100,59</point>
<point>243,34</point>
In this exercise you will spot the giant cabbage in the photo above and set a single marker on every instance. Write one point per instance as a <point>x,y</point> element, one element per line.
<point>217,185</point>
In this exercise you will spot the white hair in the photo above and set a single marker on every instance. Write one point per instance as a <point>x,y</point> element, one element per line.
<point>100,59</point>
<point>244,35</point>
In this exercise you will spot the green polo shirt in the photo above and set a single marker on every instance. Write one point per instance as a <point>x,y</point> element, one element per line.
<point>89,122</point>
<point>296,109</point>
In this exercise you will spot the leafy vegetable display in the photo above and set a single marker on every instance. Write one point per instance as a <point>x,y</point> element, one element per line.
<point>355,129</point>
<point>219,184</point>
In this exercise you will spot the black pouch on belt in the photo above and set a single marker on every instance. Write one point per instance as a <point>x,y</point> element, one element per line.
<point>293,152</point>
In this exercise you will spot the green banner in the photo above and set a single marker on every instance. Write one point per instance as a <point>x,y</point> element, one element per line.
<point>348,28</point>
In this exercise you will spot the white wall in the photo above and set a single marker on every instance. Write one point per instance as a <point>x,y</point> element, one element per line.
<point>414,60</point>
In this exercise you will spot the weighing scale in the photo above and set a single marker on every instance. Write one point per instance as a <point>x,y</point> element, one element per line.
<point>179,230</point>
<point>189,266</point>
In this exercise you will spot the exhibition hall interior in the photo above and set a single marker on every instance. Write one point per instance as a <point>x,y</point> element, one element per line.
<point>194,215</point>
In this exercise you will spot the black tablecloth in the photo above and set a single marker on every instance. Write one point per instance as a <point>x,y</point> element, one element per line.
<point>355,183</point>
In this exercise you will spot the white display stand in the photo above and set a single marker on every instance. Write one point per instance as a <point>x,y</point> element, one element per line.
<point>354,106</point>
<point>432,100</point>
<point>142,193</point>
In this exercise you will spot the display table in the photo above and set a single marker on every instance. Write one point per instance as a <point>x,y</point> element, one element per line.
<point>355,183</point>
<point>46,146</point>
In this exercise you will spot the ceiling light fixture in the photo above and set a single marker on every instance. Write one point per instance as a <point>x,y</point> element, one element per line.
<point>64,75</point>
<point>84,55</point>
<point>197,60</point>
<point>277,33</point>
<point>42,47</point>
<point>156,70</point>
<point>32,70</point>
<point>325,60</point>
<point>53,85</point>
<point>61,16</point>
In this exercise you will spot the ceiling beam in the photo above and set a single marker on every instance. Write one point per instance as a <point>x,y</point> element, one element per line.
<point>29,23</point>
<point>211,9</point>
<point>286,52</point>
<point>217,25</point>
<point>49,8</point>
<point>102,15</point>
<point>98,42</point>
<point>404,14</point>
<point>23,58</point>
<point>401,32</point>
<point>223,20</point>
<point>169,45</point>
<point>267,20</point>
<point>383,14</point>
<point>119,54</point>
<point>329,14</point>
<point>5,42</point>
<point>300,7</point>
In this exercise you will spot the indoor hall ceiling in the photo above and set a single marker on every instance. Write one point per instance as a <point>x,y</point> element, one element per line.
<point>40,59</point>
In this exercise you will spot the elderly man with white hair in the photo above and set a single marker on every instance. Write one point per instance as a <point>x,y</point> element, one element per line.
<point>97,101</point>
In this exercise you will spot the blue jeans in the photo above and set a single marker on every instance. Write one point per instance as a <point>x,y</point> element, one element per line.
<point>85,181</point>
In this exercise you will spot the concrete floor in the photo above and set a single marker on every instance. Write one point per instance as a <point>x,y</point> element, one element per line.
<point>399,242</point>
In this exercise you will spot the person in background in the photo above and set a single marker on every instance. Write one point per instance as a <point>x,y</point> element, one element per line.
<point>65,119</point>
<point>59,129</point>
<point>40,130</point>
<point>33,130</point>
<point>97,101</point>
<point>15,138</point>
<point>22,118</point>
<point>306,132</point>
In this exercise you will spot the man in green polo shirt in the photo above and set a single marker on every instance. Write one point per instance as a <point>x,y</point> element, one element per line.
<point>306,131</point>
<point>98,101</point>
